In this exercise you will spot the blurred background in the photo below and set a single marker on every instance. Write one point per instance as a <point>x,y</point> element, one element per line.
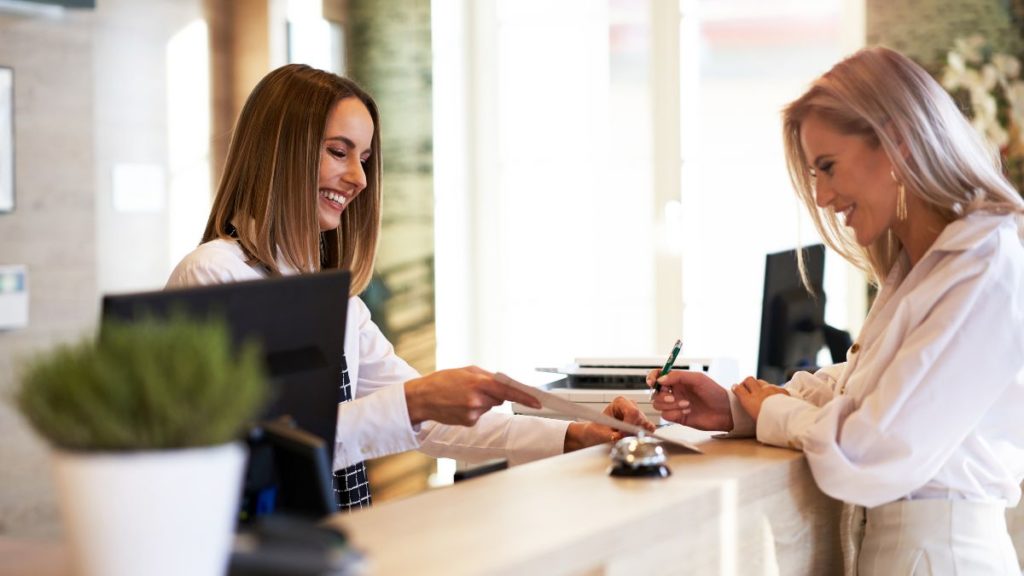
<point>563,178</point>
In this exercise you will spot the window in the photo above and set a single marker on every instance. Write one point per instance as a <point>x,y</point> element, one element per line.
<point>611,172</point>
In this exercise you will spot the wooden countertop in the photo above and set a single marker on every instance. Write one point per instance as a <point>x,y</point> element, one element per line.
<point>740,508</point>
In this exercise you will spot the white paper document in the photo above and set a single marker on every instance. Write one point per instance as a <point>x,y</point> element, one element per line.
<point>568,408</point>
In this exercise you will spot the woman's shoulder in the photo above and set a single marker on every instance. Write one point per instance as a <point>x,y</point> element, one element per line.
<point>999,236</point>
<point>358,311</point>
<point>984,251</point>
<point>214,262</point>
<point>981,236</point>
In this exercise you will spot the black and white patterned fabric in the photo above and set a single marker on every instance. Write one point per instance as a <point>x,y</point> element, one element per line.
<point>351,488</point>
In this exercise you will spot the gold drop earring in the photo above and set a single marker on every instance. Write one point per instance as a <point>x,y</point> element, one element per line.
<point>901,198</point>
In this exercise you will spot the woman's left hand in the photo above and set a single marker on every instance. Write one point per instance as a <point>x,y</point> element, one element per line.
<point>583,434</point>
<point>752,392</point>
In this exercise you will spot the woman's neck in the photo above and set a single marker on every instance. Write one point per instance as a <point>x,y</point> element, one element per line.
<point>920,230</point>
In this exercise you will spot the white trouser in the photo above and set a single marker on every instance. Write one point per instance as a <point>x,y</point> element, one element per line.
<point>932,537</point>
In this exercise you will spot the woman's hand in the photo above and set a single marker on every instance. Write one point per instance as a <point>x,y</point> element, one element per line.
<point>752,392</point>
<point>583,434</point>
<point>692,399</point>
<point>458,396</point>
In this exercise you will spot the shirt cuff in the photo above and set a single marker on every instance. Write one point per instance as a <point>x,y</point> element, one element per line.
<point>532,438</point>
<point>373,426</point>
<point>777,423</point>
<point>742,423</point>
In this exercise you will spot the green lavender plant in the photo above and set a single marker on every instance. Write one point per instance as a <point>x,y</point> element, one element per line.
<point>148,385</point>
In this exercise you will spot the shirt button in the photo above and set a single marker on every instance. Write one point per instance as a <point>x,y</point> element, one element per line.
<point>855,348</point>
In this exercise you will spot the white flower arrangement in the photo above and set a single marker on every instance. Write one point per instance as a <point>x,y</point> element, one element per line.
<point>992,81</point>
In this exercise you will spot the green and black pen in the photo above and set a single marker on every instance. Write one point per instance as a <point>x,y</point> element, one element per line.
<point>668,363</point>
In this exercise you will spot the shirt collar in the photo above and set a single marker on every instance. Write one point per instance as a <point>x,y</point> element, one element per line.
<point>959,235</point>
<point>971,231</point>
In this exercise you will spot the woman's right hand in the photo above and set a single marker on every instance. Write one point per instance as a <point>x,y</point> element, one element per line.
<point>458,396</point>
<point>692,399</point>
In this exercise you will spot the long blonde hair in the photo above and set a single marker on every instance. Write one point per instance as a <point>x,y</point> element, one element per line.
<point>886,98</point>
<point>268,191</point>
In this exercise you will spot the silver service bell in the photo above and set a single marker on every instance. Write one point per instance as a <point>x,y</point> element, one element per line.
<point>638,456</point>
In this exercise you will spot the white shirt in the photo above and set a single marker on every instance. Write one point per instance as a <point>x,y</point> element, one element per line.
<point>377,423</point>
<point>930,402</point>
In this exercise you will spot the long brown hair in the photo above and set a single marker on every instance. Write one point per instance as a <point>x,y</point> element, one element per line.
<point>887,99</point>
<point>268,192</point>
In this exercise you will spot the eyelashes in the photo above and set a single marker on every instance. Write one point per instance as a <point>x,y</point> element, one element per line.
<point>826,167</point>
<point>341,154</point>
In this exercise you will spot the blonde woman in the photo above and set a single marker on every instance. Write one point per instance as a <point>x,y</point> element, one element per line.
<point>301,192</point>
<point>919,431</point>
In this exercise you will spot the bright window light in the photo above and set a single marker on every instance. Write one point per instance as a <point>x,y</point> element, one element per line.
<point>548,233</point>
<point>188,132</point>
<point>752,57</point>
<point>312,40</point>
<point>566,186</point>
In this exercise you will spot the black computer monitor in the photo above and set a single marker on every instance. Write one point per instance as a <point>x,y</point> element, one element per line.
<point>299,322</point>
<point>792,319</point>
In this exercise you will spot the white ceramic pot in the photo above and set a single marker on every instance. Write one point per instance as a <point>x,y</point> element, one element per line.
<point>162,512</point>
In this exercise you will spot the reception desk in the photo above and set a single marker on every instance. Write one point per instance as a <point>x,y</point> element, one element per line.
<point>739,508</point>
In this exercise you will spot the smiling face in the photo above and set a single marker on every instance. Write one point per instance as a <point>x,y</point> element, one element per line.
<point>343,156</point>
<point>852,177</point>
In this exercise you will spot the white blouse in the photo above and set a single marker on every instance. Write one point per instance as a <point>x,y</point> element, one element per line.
<point>930,402</point>
<point>377,423</point>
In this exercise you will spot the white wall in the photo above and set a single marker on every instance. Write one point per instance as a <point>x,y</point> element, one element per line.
<point>90,93</point>
<point>139,49</point>
<point>51,231</point>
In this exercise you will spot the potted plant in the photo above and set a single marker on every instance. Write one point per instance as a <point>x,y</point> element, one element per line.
<point>145,421</point>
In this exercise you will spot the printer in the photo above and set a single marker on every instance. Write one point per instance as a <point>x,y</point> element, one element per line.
<point>597,381</point>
